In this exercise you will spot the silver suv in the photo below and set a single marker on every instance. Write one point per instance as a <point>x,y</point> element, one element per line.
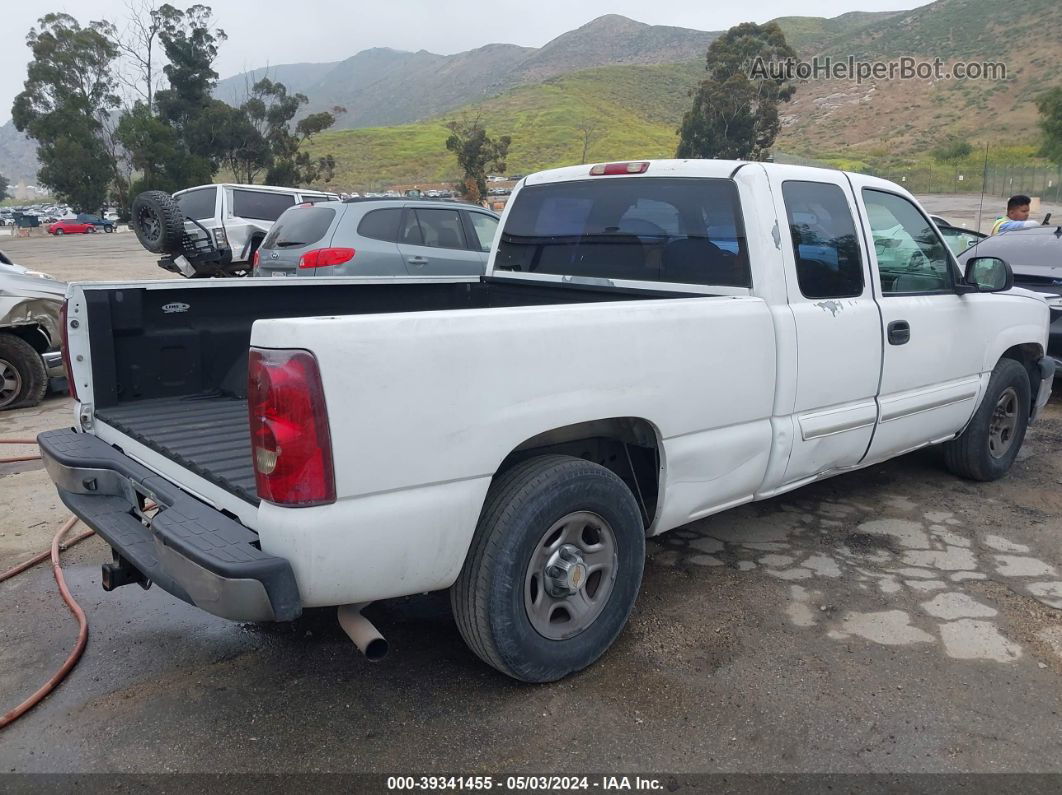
<point>378,237</point>
<point>213,230</point>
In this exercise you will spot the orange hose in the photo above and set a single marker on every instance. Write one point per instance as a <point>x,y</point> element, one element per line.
<point>16,459</point>
<point>29,564</point>
<point>82,633</point>
<point>79,647</point>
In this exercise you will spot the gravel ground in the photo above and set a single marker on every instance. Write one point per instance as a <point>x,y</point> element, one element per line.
<point>891,620</point>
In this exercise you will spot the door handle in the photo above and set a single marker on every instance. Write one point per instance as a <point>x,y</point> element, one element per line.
<point>417,260</point>
<point>899,332</point>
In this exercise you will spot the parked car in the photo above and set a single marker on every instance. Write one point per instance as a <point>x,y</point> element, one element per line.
<point>71,227</point>
<point>515,437</point>
<point>96,221</point>
<point>378,237</point>
<point>1035,255</point>
<point>213,230</point>
<point>30,331</point>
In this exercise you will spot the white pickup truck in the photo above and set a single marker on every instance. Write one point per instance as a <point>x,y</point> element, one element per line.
<point>653,342</point>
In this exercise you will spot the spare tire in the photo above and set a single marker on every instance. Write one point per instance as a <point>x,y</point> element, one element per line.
<point>158,222</point>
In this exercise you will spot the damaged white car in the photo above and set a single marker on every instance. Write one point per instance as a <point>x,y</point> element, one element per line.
<point>30,357</point>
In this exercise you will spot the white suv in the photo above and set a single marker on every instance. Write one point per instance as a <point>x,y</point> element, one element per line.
<point>213,230</point>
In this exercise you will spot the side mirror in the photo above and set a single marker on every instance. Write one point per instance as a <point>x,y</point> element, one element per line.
<point>989,275</point>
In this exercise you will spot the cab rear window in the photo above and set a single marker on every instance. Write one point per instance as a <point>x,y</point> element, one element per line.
<point>300,226</point>
<point>647,229</point>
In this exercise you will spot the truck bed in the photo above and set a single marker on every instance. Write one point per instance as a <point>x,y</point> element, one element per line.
<point>169,360</point>
<point>206,434</point>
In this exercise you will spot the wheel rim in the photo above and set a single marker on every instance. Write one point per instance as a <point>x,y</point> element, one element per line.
<point>570,575</point>
<point>149,223</point>
<point>10,382</point>
<point>1004,421</point>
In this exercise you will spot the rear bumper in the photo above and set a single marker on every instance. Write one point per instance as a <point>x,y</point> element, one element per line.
<point>187,548</point>
<point>1046,366</point>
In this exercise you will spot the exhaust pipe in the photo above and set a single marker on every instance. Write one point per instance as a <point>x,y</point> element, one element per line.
<point>360,630</point>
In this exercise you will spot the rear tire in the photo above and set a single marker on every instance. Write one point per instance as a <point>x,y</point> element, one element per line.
<point>158,222</point>
<point>515,607</point>
<point>987,448</point>
<point>60,232</point>
<point>90,231</point>
<point>23,379</point>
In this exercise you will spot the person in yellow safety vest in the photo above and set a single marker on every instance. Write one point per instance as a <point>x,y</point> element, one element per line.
<point>1017,216</point>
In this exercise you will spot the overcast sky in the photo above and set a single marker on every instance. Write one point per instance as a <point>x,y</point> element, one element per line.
<point>289,31</point>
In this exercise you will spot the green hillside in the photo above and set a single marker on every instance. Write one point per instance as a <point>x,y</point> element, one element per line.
<point>634,111</point>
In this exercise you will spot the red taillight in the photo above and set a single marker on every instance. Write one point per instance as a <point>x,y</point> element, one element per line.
<point>291,445</point>
<point>605,169</point>
<point>64,341</point>
<point>326,257</point>
<point>255,259</point>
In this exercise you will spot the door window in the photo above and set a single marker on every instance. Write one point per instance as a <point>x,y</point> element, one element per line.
<point>409,231</point>
<point>485,227</point>
<point>911,256</point>
<point>825,245</point>
<point>441,228</point>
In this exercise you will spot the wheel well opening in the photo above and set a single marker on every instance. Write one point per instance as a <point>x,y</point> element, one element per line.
<point>1027,354</point>
<point>32,334</point>
<point>628,446</point>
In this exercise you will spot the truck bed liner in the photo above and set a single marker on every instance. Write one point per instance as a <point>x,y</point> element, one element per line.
<point>206,434</point>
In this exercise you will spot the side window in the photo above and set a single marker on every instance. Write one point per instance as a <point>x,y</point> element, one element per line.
<point>259,205</point>
<point>409,231</point>
<point>911,256</point>
<point>381,224</point>
<point>441,228</point>
<point>198,204</point>
<point>958,240</point>
<point>825,244</point>
<point>485,227</point>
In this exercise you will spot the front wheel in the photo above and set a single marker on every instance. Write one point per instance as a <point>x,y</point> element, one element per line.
<point>23,379</point>
<point>90,231</point>
<point>987,448</point>
<point>108,229</point>
<point>60,232</point>
<point>553,570</point>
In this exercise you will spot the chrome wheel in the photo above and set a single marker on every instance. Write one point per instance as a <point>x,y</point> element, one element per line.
<point>571,575</point>
<point>1004,421</point>
<point>10,382</point>
<point>149,223</point>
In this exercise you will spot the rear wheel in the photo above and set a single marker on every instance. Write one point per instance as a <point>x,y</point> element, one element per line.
<point>553,570</point>
<point>90,230</point>
<point>60,232</point>
<point>23,379</point>
<point>987,448</point>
